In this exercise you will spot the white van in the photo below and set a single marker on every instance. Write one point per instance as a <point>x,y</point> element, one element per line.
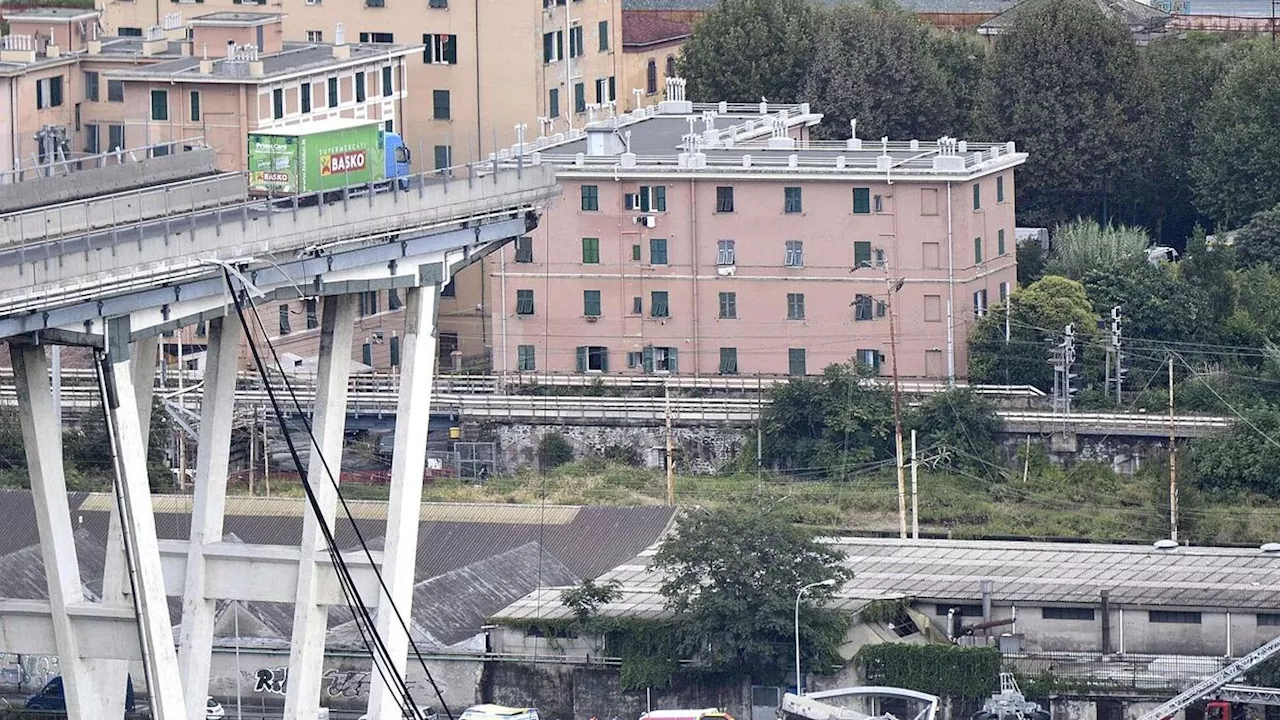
<point>703,714</point>
<point>498,712</point>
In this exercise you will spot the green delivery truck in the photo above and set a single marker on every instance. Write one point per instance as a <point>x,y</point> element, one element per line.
<point>326,156</point>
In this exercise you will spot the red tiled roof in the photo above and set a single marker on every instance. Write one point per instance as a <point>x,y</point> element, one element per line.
<point>642,28</point>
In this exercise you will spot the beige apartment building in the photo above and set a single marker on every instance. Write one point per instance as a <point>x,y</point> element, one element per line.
<point>484,66</point>
<point>650,49</point>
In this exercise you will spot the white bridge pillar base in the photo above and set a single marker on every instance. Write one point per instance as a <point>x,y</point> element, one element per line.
<point>408,465</point>
<point>217,406</point>
<point>42,439</point>
<point>310,619</point>
<point>138,521</point>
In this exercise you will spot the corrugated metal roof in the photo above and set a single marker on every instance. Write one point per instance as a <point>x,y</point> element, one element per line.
<point>1023,573</point>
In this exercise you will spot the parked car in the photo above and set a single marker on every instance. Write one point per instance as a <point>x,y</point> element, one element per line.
<point>213,710</point>
<point>498,712</point>
<point>52,698</point>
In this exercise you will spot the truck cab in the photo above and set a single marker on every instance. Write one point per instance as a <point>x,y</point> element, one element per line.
<point>398,159</point>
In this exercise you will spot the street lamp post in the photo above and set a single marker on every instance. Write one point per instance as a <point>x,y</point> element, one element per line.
<point>821,583</point>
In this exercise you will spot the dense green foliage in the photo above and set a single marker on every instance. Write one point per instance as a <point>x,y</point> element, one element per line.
<point>731,579</point>
<point>1038,314</point>
<point>585,599</point>
<point>748,49</point>
<point>554,450</point>
<point>944,670</point>
<point>1083,246</point>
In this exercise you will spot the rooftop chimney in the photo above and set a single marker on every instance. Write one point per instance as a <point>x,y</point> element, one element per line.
<point>341,50</point>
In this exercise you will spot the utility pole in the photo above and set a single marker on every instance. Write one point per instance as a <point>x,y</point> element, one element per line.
<point>897,408</point>
<point>1062,357</point>
<point>915,491</point>
<point>671,472</point>
<point>1173,463</point>
<point>1115,356</point>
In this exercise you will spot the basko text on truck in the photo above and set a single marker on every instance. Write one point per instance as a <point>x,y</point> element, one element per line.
<point>326,156</point>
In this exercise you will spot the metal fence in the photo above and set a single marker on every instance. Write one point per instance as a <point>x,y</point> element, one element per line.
<point>1133,673</point>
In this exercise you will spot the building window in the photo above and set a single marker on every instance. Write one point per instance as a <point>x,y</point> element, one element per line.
<point>877,203</point>
<point>658,304</point>
<point>637,305</point>
<point>671,66</point>
<point>604,35</point>
<point>728,306</point>
<point>525,358</point>
<point>333,92</point>
<point>796,361</point>
<point>660,359</point>
<point>869,359</point>
<point>933,308</point>
<point>725,254</point>
<point>393,351</point>
<point>977,196</point>
<point>195,103</point>
<point>577,46</point>
<point>961,610</point>
<point>393,298</point>
<point>1173,616</point>
<point>590,251</point>
<point>604,90</point>
<point>450,289</point>
<point>360,89</point>
<point>795,254</point>
<point>724,199</point>
<point>443,156</point>
<point>1066,613</point>
<point>651,77</point>
<point>277,103</point>
<point>1004,291</point>
<point>553,103</point>
<point>593,358</point>
<point>929,201</point>
<point>49,92</point>
<point>160,105</point>
<point>795,306</point>
<point>591,303</point>
<point>1268,619</point>
<point>861,201</point>
<point>1000,242</point>
<point>980,303</point>
<point>863,307</point>
<point>553,46</point>
<point>284,320</point>
<point>91,86</point>
<point>315,36</point>
<point>440,104</point>
<point>999,188</point>
<point>579,98</point>
<point>439,4</point>
<point>387,88</point>
<point>313,318</point>
<point>635,253</point>
<point>657,251</point>
<point>791,200</point>
<point>115,91</point>
<point>977,250</point>
<point>647,198</point>
<point>91,139</point>
<point>728,361</point>
<point>376,37</point>
<point>524,302</point>
<point>524,249</point>
<point>590,198</point>
<point>369,303</point>
<point>861,254</point>
<point>115,138</point>
<point>440,49</point>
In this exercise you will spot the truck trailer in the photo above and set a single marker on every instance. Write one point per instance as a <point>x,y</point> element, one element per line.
<point>325,157</point>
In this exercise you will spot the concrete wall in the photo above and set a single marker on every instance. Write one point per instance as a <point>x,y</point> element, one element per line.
<point>37,191</point>
<point>698,450</point>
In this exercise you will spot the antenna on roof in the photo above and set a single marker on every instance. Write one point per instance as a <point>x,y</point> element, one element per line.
<point>339,34</point>
<point>853,128</point>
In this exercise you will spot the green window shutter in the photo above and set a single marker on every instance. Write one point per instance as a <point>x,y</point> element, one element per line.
<point>660,198</point>
<point>862,201</point>
<point>582,358</point>
<point>977,196</point>
<point>673,360</point>
<point>647,359</point>
<point>862,253</point>
<point>604,360</point>
<point>635,253</point>
<point>591,251</point>
<point>1000,242</point>
<point>999,188</point>
<point>977,250</point>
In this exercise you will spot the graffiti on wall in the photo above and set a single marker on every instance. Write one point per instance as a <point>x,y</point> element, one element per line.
<point>271,680</point>
<point>27,672</point>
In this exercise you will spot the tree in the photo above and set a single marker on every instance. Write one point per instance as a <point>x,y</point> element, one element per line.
<point>747,49</point>
<point>585,599</point>
<point>1083,246</point>
<point>732,575</point>
<point>1241,459</point>
<point>1236,162</point>
<point>1037,316</point>
<point>875,64</point>
<point>1066,84</point>
<point>1259,241</point>
<point>822,424</point>
<point>960,420</point>
<point>1031,259</point>
<point>1155,303</point>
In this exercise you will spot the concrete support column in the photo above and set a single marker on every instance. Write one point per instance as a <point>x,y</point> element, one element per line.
<point>115,573</point>
<point>41,438</point>
<point>217,406</point>
<point>310,620</point>
<point>139,524</point>
<point>408,465</point>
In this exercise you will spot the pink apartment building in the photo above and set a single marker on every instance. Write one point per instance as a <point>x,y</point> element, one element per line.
<point>722,239</point>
